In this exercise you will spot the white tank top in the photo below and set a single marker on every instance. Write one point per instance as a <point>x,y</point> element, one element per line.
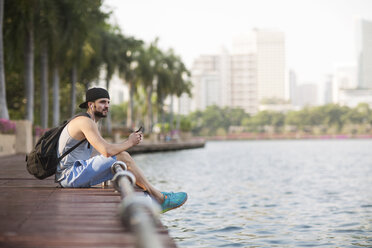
<point>82,152</point>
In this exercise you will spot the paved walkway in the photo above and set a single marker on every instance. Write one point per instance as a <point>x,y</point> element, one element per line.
<point>35,213</point>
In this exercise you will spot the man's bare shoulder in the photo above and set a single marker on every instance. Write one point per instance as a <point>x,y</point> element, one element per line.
<point>81,121</point>
<point>82,118</point>
<point>80,125</point>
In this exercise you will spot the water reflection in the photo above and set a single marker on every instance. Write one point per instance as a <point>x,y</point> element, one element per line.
<point>268,193</point>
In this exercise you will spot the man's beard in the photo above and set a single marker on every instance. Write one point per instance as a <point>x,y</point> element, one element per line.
<point>100,114</point>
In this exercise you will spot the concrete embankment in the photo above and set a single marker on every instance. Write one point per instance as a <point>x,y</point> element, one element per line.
<point>166,146</point>
<point>291,136</point>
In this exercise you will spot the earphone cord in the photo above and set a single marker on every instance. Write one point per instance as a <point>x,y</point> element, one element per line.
<point>93,117</point>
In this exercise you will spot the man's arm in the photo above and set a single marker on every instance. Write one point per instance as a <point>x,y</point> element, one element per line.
<point>90,130</point>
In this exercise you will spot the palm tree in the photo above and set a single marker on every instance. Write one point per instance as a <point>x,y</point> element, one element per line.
<point>149,62</point>
<point>83,16</point>
<point>29,15</point>
<point>130,78</point>
<point>185,88</point>
<point>183,85</point>
<point>110,52</point>
<point>177,83</point>
<point>67,39</point>
<point>46,23</point>
<point>58,47</point>
<point>13,42</point>
<point>3,105</point>
<point>92,60</point>
<point>164,86</point>
<point>63,40</point>
<point>56,108</point>
<point>44,87</point>
<point>128,70</point>
<point>77,30</point>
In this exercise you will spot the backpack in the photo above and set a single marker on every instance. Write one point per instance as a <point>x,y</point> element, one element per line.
<point>42,161</point>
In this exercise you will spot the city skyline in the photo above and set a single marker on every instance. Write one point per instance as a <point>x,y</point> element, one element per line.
<point>319,34</point>
<point>251,76</point>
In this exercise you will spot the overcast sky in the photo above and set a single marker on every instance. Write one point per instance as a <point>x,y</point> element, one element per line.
<point>320,34</point>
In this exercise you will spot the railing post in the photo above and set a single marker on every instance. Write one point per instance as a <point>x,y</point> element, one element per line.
<point>137,213</point>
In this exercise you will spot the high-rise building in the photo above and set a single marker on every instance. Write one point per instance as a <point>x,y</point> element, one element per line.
<point>344,77</point>
<point>325,91</point>
<point>254,71</point>
<point>364,54</point>
<point>206,78</point>
<point>352,97</point>
<point>268,46</point>
<point>225,74</point>
<point>243,89</point>
<point>292,86</point>
<point>225,80</point>
<point>270,64</point>
<point>355,86</point>
<point>245,43</point>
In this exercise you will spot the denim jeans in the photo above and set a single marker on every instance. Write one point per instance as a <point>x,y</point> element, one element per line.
<point>86,173</point>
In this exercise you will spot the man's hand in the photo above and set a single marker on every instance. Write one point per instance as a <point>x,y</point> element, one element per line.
<point>135,138</point>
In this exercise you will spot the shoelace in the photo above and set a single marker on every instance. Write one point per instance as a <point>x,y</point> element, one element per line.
<point>167,195</point>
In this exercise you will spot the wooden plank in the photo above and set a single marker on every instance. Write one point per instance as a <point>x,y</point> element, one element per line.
<point>36,213</point>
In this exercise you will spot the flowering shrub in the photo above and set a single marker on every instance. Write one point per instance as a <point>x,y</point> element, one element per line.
<point>7,126</point>
<point>39,131</point>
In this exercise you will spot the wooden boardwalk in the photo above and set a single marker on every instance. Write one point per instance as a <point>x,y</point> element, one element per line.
<point>36,213</point>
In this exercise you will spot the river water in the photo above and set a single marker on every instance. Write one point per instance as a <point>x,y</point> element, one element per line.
<point>305,193</point>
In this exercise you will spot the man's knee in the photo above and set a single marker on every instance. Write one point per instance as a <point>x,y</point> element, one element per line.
<point>125,157</point>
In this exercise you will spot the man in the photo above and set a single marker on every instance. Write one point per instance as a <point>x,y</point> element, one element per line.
<point>79,169</point>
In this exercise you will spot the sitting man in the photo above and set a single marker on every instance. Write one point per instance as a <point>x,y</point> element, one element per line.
<point>80,169</point>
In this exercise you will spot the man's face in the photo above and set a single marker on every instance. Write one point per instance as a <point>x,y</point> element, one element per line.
<point>101,107</point>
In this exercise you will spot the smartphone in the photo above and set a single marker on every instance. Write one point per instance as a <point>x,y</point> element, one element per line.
<point>140,129</point>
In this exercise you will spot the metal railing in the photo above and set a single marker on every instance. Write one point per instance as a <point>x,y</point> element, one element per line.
<point>137,212</point>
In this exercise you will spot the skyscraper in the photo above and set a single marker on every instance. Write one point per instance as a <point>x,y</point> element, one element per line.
<point>270,64</point>
<point>325,90</point>
<point>364,54</point>
<point>206,77</point>
<point>344,77</point>
<point>244,82</point>
<point>253,72</point>
<point>225,80</point>
<point>292,86</point>
<point>269,49</point>
<point>362,90</point>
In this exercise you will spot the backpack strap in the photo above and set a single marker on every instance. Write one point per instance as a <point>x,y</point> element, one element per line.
<point>71,149</point>
<point>78,144</point>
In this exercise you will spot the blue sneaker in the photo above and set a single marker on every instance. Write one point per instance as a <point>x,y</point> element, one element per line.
<point>173,200</point>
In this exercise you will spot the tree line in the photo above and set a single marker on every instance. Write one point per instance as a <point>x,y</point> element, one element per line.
<point>51,51</point>
<point>327,119</point>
